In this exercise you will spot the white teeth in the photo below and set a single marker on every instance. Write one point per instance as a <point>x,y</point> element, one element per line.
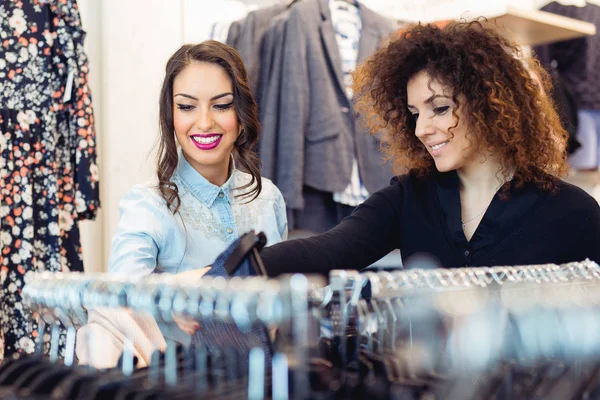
<point>439,146</point>
<point>205,140</point>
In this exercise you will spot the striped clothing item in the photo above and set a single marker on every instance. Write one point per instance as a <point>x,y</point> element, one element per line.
<point>348,25</point>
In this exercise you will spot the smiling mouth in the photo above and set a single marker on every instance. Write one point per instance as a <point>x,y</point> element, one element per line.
<point>439,146</point>
<point>206,142</point>
<point>206,139</point>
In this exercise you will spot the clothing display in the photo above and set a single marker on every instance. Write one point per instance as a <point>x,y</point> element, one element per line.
<point>347,25</point>
<point>247,36</point>
<point>474,333</point>
<point>423,216</point>
<point>310,134</point>
<point>207,298</point>
<point>48,171</point>
<point>200,23</point>
<point>586,156</point>
<point>577,62</point>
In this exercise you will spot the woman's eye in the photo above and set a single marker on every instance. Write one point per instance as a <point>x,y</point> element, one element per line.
<point>415,116</point>
<point>223,107</point>
<point>184,107</point>
<point>441,110</point>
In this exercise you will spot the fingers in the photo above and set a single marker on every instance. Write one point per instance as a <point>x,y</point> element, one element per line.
<point>187,325</point>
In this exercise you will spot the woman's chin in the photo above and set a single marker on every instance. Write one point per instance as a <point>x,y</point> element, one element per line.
<point>444,167</point>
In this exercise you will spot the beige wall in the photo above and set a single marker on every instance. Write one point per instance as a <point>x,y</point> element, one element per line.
<point>128,44</point>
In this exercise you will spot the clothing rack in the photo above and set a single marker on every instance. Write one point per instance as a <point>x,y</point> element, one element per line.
<point>480,276</point>
<point>61,299</point>
<point>464,333</point>
<point>481,309</point>
<point>387,288</point>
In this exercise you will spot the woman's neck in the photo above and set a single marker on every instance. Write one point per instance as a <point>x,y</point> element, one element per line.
<point>215,174</point>
<point>482,177</point>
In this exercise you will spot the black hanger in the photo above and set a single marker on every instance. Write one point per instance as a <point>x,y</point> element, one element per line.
<point>36,372</point>
<point>249,247</point>
<point>13,369</point>
<point>83,376</point>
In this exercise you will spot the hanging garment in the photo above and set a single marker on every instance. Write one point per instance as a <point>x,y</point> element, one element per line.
<point>48,171</point>
<point>577,59</point>
<point>574,65</point>
<point>347,25</point>
<point>315,137</point>
<point>247,36</point>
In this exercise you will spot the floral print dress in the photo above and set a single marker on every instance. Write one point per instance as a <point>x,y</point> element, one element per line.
<point>48,171</point>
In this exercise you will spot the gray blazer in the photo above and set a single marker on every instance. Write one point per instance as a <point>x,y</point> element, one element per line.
<point>316,136</point>
<point>268,92</point>
<point>247,35</point>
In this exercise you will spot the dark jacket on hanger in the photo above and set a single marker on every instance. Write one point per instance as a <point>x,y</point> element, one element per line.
<point>267,94</point>
<point>423,217</point>
<point>578,59</point>
<point>317,136</point>
<point>247,35</point>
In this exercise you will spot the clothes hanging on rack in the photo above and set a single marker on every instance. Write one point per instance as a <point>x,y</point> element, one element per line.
<point>48,171</point>
<point>204,23</point>
<point>247,35</point>
<point>347,25</point>
<point>317,134</point>
<point>310,133</point>
<point>471,333</point>
<point>576,65</point>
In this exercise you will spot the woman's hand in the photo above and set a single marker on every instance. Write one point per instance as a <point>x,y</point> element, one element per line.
<point>186,324</point>
<point>187,276</point>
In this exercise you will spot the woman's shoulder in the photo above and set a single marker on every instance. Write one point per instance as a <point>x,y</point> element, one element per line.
<point>411,181</point>
<point>146,193</point>
<point>270,190</point>
<point>573,198</point>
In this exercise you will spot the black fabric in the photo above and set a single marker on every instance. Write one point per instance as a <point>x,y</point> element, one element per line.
<point>497,223</point>
<point>577,58</point>
<point>320,213</point>
<point>567,108</point>
<point>422,216</point>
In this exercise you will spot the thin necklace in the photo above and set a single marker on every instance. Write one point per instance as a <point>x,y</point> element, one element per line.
<point>464,223</point>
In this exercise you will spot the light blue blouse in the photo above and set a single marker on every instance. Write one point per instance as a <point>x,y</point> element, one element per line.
<point>150,238</point>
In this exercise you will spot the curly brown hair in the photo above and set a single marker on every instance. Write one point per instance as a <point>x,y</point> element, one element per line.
<point>507,112</point>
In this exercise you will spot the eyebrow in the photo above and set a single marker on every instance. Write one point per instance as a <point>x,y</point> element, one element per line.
<point>430,100</point>
<point>217,97</point>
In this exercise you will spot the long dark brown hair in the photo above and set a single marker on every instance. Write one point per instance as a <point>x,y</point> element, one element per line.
<point>246,109</point>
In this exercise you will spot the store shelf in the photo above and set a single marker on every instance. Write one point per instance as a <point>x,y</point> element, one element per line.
<point>532,27</point>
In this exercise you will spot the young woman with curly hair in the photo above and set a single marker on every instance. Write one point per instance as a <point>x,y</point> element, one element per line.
<point>479,152</point>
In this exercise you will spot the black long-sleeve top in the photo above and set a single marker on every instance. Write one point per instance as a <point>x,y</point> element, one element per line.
<point>529,226</point>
